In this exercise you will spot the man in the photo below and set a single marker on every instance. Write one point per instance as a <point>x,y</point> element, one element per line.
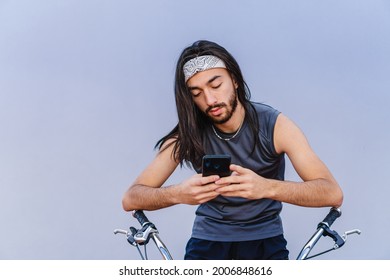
<point>238,216</point>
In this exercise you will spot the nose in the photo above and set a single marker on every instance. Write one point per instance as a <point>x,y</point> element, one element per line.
<point>210,98</point>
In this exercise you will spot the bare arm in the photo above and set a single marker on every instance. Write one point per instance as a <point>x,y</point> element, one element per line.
<point>318,188</point>
<point>147,193</point>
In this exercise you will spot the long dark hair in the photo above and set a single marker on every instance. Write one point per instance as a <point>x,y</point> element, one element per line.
<point>188,133</point>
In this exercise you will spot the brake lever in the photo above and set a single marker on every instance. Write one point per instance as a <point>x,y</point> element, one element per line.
<point>142,236</point>
<point>350,232</point>
<point>129,236</point>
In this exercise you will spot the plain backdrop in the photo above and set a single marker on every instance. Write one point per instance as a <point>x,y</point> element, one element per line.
<point>86,90</point>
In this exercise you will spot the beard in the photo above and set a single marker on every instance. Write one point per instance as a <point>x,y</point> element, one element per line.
<point>230,109</point>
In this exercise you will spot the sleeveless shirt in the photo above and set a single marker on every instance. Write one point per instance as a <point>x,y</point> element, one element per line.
<point>235,218</point>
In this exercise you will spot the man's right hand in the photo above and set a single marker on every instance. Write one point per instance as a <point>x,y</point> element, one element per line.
<point>197,189</point>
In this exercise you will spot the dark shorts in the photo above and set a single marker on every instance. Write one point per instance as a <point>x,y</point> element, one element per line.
<point>273,248</point>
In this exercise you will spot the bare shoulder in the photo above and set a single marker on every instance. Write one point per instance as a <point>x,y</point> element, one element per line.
<point>168,144</point>
<point>288,136</point>
<point>161,167</point>
<point>290,139</point>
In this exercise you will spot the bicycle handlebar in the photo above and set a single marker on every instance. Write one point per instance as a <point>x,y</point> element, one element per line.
<point>323,229</point>
<point>333,214</point>
<point>141,218</point>
<point>148,231</point>
<point>141,237</point>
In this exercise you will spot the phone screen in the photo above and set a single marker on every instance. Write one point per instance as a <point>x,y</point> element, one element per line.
<point>216,165</point>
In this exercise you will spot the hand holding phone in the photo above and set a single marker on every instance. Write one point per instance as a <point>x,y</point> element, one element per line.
<point>216,165</point>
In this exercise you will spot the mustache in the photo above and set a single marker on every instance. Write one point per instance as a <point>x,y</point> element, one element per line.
<point>218,105</point>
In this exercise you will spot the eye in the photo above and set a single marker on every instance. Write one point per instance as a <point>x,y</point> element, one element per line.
<point>216,86</point>
<point>195,94</point>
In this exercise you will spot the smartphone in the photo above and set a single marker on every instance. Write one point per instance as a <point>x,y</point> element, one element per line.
<point>216,165</point>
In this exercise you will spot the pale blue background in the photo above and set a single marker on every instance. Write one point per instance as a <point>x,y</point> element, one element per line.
<point>86,90</point>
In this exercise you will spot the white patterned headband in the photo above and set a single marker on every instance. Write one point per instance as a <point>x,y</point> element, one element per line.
<point>201,63</point>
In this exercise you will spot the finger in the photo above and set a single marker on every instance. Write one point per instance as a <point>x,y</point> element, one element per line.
<point>230,188</point>
<point>236,190</point>
<point>237,168</point>
<point>208,179</point>
<point>235,194</point>
<point>205,193</point>
<point>228,180</point>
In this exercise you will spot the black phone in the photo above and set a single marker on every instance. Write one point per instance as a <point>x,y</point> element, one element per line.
<point>216,165</point>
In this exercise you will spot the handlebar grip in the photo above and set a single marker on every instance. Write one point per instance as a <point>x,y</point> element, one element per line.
<point>140,216</point>
<point>333,214</point>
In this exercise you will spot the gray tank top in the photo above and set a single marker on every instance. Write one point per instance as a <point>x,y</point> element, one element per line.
<point>235,218</point>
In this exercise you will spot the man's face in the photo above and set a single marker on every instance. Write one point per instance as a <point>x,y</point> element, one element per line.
<point>214,92</point>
